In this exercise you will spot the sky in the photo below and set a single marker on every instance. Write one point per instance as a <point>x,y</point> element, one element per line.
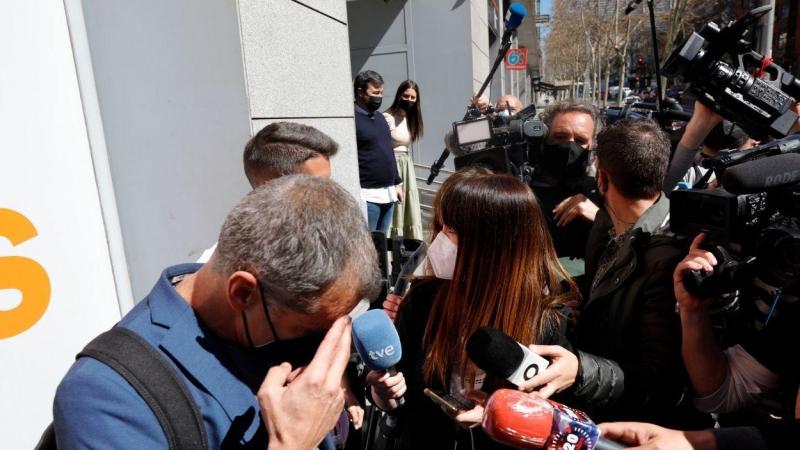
<point>547,8</point>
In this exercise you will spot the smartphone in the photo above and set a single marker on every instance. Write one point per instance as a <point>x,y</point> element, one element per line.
<point>451,404</point>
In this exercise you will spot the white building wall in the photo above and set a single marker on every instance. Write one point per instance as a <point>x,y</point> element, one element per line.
<point>481,60</point>
<point>297,65</point>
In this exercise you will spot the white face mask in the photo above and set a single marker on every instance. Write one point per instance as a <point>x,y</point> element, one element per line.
<point>442,256</point>
<point>504,113</point>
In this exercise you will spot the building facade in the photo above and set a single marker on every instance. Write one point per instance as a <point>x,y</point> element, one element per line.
<point>447,47</point>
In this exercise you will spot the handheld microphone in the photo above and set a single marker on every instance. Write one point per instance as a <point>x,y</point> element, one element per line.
<point>408,269</point>
<point>522,420</point>
<point>377,342</point>
<point>500,355</point>
<point>516,12</point>
<point>762,174</point>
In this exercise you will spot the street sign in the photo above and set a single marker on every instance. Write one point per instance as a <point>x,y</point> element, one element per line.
<point>517,58</point>
<point>543,18</point>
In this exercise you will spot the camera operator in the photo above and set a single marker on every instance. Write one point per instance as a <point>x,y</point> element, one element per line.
<point>628,335</point>
<point>506,108</point>
<point>563,178</point>
<point>742,375</point>
<point>703,120</point>
<point>726,135</point>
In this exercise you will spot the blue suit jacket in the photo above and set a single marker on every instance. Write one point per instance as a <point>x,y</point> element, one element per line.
<point>96,408</point>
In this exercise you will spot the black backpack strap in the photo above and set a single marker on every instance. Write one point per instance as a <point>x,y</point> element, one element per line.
<point>156,381</point>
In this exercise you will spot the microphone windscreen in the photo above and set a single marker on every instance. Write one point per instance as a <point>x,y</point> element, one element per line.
<point>518,419</point>
<point>376,340</point>
<point>494,351</point>
<point>516,12</point>
<point>762,174</point>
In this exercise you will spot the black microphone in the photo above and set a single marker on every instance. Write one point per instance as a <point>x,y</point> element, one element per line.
<point>763,174</point>
<point>732,157</point>
<point>499,354</point>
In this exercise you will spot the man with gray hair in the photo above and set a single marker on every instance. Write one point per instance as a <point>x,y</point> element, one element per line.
<point>563,179</point>
<point>294,257</point>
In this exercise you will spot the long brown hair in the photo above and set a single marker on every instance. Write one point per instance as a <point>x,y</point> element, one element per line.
<point>414,115</point>
<point>506,275</point>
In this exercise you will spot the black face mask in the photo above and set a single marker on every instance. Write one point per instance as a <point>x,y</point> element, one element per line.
<point>406,105</point>
<point>373,102</point>
<point>297,351</point>
<point>558,159</point>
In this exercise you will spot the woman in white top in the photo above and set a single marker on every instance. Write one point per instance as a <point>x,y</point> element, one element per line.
<point>405,122</point>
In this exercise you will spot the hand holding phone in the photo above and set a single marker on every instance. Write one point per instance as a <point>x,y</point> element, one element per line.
<point>452,404</point>
<point>466,409</point>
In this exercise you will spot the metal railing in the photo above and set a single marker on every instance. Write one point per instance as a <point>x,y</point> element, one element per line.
<point>427,192</point>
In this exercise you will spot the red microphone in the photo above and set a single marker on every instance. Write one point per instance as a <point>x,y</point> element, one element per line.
<point>521,420</point>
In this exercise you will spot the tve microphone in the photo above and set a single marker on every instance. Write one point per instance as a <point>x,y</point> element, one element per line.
<point>516,12</point>
<point>377,342</point>
<point>762,174</point>
<point>522,420</point>
<point>500,355</point>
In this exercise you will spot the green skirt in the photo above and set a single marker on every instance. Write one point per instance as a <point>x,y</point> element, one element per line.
<point>407,219</point>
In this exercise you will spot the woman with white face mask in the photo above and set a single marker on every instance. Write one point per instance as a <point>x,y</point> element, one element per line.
<point>491,263</point>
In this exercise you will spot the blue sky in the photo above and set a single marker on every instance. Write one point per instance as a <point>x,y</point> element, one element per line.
<point>547,8</point>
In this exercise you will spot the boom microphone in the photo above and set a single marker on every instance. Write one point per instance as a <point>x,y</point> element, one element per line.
<point>516,12</point>
<point>522,420</point>
<point>500,355</point>
<point>377,342</point>
<point>762,174</point>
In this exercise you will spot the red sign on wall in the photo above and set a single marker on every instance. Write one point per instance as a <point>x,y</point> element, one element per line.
<point>516,58</point>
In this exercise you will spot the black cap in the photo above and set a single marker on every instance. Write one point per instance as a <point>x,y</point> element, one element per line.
<point>494,351</point>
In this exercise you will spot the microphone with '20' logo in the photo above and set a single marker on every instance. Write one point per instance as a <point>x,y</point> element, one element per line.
<point>377,342</point>
<point>499,354</point>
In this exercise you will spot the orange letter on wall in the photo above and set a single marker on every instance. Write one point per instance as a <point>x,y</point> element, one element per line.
<point>23,274</point>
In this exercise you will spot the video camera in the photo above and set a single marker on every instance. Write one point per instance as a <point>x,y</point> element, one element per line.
<point>489,139</point>
<point>725,74</point>
<point>752,224</point>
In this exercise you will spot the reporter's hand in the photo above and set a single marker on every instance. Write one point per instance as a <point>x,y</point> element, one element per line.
<point>557,376</point>
<point>796,109</point>
<point>473,417</point>
<point>646,436</point>
<point>386,389</point>
<point>703,120</point>
<point>351,405</point>
<point>481,102</point>
<point>356,415</point>
<point>299,408</point>
<point>574,207</point>
<point>392,305</point>
<point>696,259</point>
